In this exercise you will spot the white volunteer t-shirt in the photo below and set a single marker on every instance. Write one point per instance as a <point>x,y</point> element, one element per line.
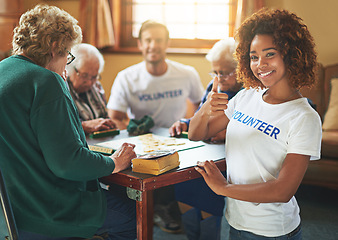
<point>136,92</point>
<point>259,135</point>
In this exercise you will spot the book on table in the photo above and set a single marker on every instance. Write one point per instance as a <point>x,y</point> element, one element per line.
<point>156,162</point>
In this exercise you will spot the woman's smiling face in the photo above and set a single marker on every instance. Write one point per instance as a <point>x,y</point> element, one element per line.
<point>266,62</point>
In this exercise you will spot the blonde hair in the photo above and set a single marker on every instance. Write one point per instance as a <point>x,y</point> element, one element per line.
<point>42,28</point>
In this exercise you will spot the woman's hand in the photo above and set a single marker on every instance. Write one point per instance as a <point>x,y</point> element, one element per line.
<point>216,102</point>
<point>123,156</point>
<point>212,176</point>
<point>280,189</point>
<point>210,118</point>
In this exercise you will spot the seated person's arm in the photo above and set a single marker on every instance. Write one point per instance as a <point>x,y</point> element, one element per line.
<point>120,118</point>
<point>97,124</point>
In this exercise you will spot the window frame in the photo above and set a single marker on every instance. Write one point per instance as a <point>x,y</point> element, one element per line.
<point>126,43</point>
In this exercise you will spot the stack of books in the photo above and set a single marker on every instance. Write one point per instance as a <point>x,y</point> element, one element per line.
<point>156,162</point>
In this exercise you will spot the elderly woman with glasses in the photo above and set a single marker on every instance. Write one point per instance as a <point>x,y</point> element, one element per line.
<point>86,90</point>
<point>50,174</point>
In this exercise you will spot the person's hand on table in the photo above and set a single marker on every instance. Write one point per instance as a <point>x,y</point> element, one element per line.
<point>177,128</point>
<point>122,157</point>
<point>98,124</point>
<point>212,176</point>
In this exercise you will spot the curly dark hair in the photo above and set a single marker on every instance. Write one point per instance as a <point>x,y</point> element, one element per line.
<point>292,39</point>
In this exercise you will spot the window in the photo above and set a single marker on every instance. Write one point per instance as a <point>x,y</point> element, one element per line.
<point>194,25</point>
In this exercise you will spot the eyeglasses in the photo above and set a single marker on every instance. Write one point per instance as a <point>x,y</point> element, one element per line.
<point>221,74</point>
<point>86,76</point>
<point>70,58</point>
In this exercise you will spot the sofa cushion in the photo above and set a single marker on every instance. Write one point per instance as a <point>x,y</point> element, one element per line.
<point>330,144</point>
<point>331,116</point>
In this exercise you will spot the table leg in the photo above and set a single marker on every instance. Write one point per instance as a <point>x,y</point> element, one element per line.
<point>144,215</point>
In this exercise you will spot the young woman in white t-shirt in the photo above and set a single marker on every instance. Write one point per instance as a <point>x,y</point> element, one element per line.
<point>272,131</point>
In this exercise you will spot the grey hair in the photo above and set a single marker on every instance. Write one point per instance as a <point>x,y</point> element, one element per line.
<point>223,49</point>
<point>85,51</point>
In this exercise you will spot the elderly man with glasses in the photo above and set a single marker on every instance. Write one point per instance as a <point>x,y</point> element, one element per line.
<point>87,92</point>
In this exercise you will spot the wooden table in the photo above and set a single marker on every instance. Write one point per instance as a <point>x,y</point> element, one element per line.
<point>140,186</point>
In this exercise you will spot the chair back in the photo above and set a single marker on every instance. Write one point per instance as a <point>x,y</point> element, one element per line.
<point>8,230</point>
